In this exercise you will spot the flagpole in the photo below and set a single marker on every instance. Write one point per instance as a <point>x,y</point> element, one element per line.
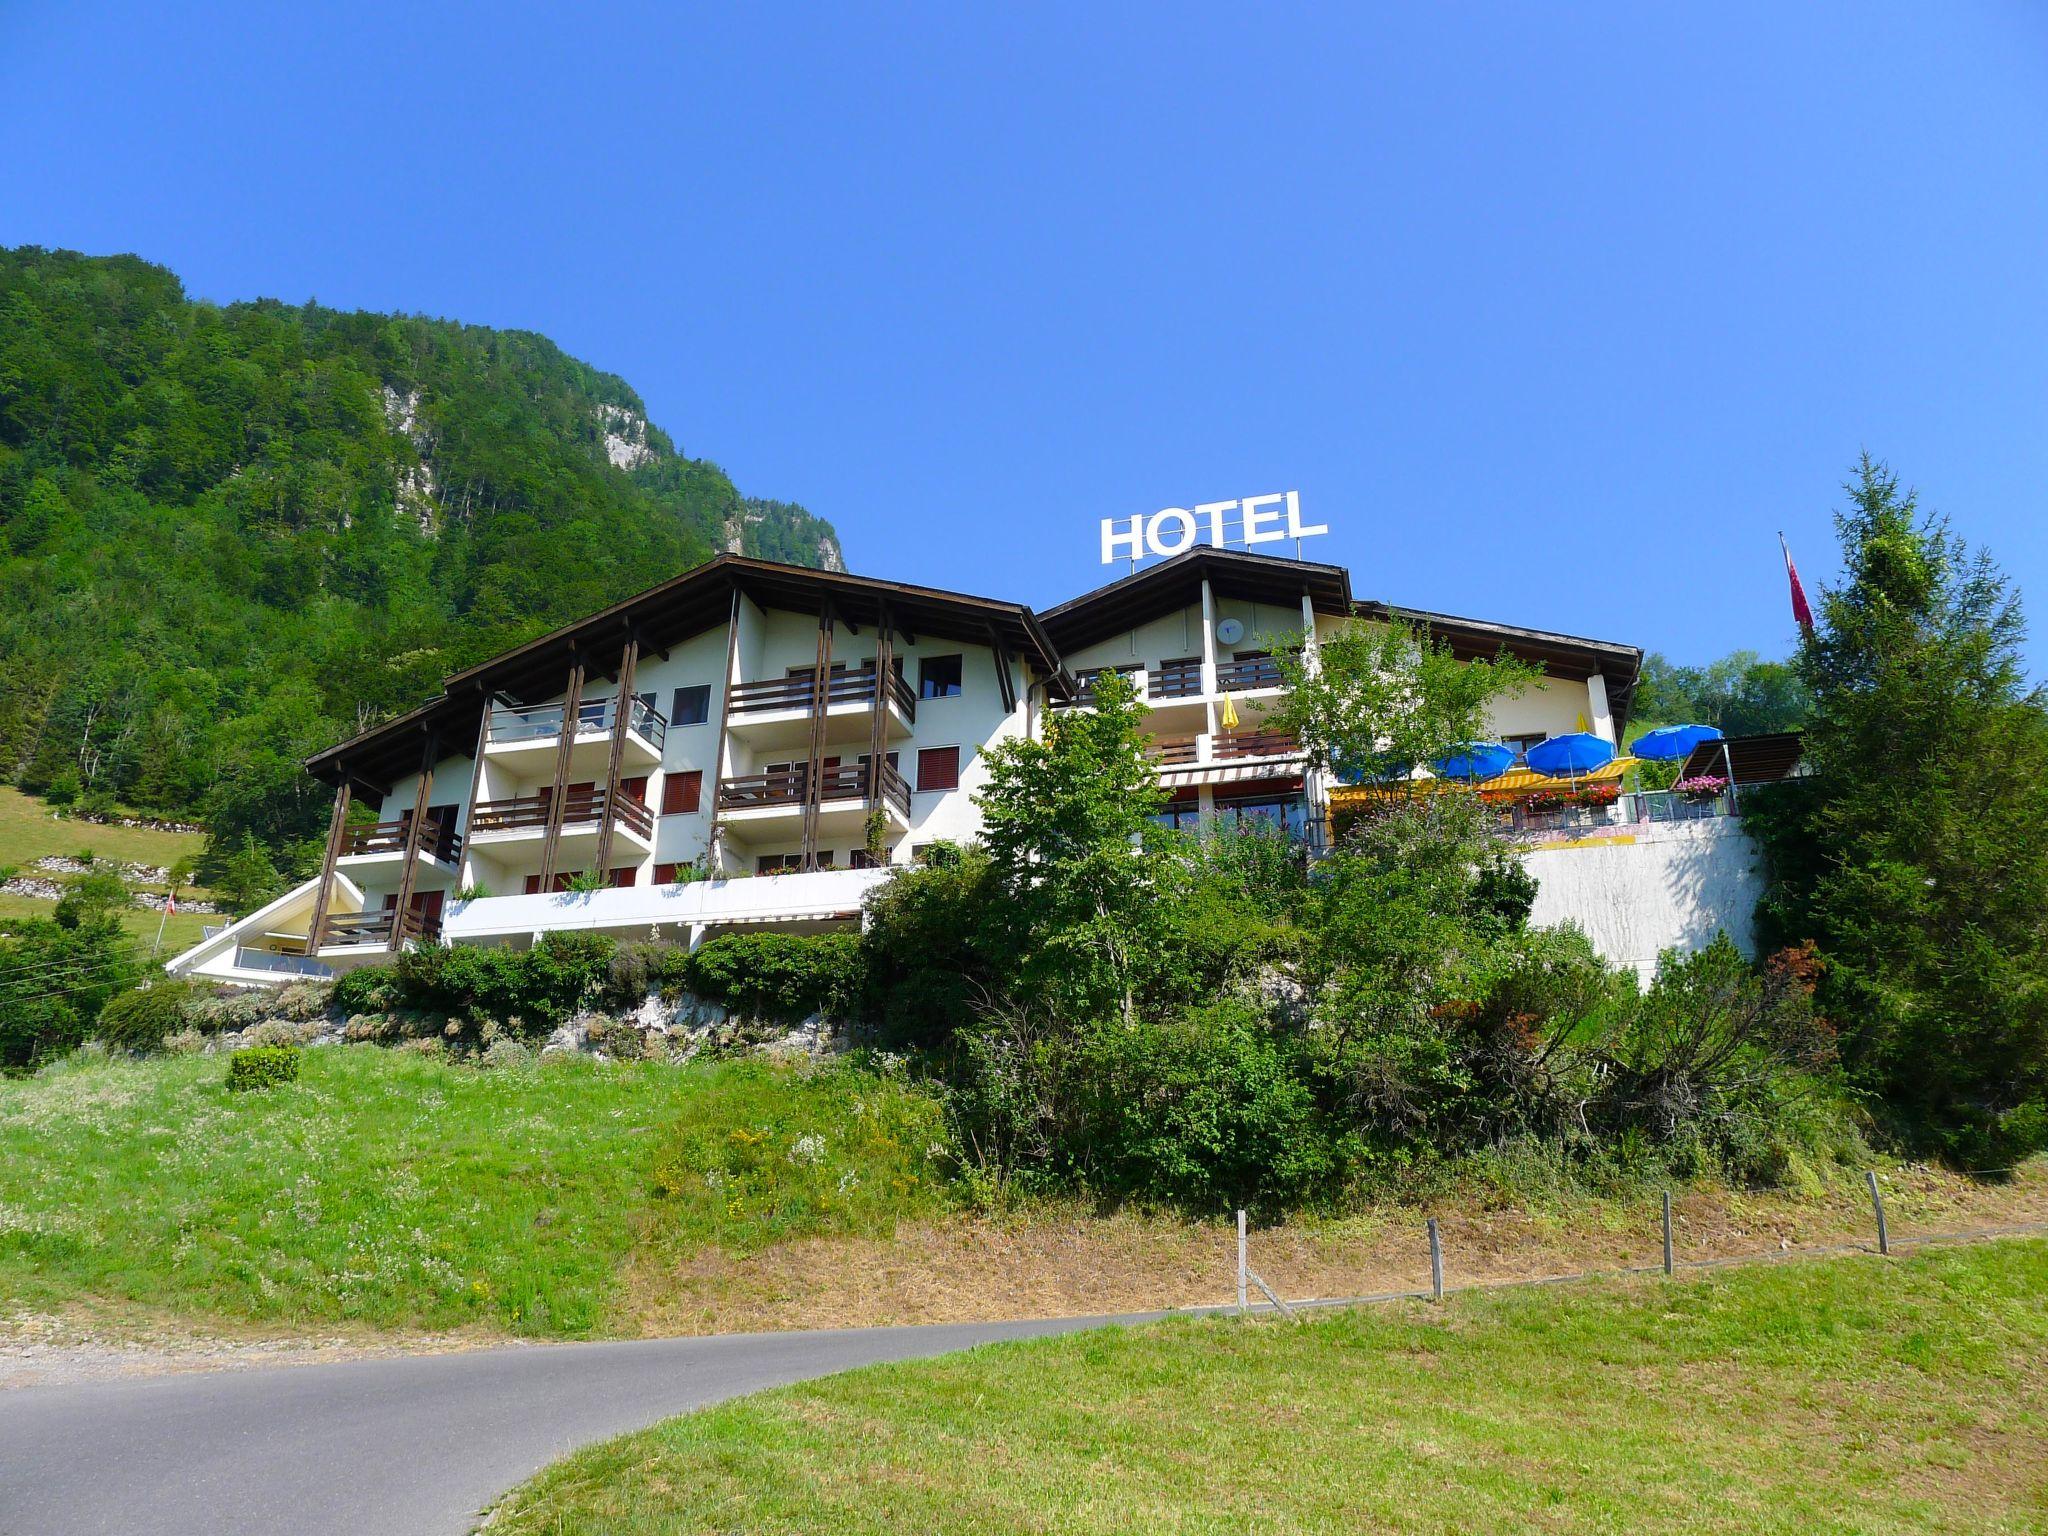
<point>170,900</point>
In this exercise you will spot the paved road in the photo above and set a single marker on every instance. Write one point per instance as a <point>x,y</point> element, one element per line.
<point>399,1447</point>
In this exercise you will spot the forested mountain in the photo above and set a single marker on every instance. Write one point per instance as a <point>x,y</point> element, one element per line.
<point>232,535</point>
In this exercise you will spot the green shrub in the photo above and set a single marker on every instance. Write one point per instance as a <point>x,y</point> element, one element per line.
<point>367,990</point>
<point>139,1020</point>
<point>637,969</point>
<point>779,975</point>
<point>926,955</point>
<point>261,1067</point>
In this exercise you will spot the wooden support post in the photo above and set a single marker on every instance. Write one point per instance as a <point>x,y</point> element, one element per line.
<point>409,864</point>
<point>878,734</point>
<point>323,893</point>
<point>1884,1239</point>
<point>572,711</point>
<point>622,714</point>
<point>1436,1261</point>
<point>713,854</point>
<point>1006,684</point>
<point>1667,1232</point>
<point>821,692</point>
<point>1243,1263</point>
<point>464,875</point>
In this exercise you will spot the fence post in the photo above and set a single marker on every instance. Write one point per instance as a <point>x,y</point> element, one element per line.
<point>1667,1231</point>
<point>1884,1242</point>
<point>1241,1265</point>
<point>1436,1261</point>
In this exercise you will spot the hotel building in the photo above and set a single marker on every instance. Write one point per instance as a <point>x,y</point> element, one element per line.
<point>745,744</point>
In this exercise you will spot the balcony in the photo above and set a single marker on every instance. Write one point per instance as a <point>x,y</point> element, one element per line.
<point>1173,751</point>
<point>1255,743</point>
<point>1249,674</point>
<point>384,843</point>
<point>527,737</point>
<point>776,711</point>
<point>372,930</point>
<point>1177,680</point>
<point>524,819</point>
<point>767,807</point>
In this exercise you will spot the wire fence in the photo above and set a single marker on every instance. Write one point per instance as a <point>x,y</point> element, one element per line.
<point>1881,1241</point>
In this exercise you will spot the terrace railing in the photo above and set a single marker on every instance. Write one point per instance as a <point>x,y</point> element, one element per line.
<point>1177,680</point>
<point>247,959</point>
<point>529,813</point>
<point>1256,743</point>
<point>839,781</point>
<point>594,717</point>
<point>360,929</point>
<point>855,685</point>
<point>438,837</point>
<point>1248,673</point>
<point>1172,751</point>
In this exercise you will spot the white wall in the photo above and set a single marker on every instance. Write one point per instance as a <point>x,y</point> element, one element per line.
<point>1676,885</point>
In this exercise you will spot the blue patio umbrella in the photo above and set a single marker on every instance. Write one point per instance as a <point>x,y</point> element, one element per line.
<point>1570,755</point>
<point>1371,770</point>
<point>1672,741</point>
<point>1475,760</point>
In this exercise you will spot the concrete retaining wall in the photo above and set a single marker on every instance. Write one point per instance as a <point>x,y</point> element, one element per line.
<point>1642,889</point>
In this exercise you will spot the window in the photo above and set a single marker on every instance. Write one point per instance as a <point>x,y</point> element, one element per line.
<point>938,677</point>
<point>1522,744</point>
<point>938,768</point>
<point>860,858</point>
<point>1282,813</point>
<point>681,791</point>
<point>665,874</point>
<point>634,788</point>
<point>777,863</point>
<point>625,876</point>
<point>1183,813</point>
<point>691,706</point>
<point>561,881</point>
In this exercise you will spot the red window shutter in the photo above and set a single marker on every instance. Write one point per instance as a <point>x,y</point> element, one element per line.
<point>938,768</point>
<point>533,885</point>
<point>665,874</point>
<point>624,876</point>
<point>680,792</point>
<point>635,789</point>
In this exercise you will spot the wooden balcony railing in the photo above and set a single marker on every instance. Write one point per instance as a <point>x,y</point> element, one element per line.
<point>1256,744</point>
<point>1084,692</point>
<point>840,781</point>
<point>1249,673</point>
<point>1172,752</point>
<point>529,813</point>
<point>359,929</point>
<point>856,685</point>
<point>438,838</point>
<point>1177,680</point>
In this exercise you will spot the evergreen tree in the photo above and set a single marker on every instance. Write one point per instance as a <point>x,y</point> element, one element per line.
<point>1916,854</point>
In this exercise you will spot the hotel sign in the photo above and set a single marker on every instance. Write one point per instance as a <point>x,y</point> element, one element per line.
<point>1254,519</point>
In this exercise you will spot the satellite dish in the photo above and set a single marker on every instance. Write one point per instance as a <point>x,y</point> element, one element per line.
<point>1230,631</point>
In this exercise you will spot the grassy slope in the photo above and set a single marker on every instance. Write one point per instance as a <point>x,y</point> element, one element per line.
<point>1852,1395</point>
<point>29,832</point>
<point>391,1190</point>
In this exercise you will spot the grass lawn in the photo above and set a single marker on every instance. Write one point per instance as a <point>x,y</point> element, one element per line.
<point>29,832</point>
<point>1845,1395</point>
<point>392,1190</point>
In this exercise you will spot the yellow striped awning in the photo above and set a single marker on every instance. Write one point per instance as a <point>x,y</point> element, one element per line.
<point>1516,781</point>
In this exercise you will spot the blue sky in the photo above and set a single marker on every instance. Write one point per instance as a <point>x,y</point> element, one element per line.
<point>1552,318</point>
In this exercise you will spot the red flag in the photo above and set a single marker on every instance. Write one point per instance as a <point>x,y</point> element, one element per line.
<point>170,902</point>
<point>1800,610</point>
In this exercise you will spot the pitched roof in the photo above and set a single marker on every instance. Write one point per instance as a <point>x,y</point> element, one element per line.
<point>685,605</point>
<point>1175,582</point>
